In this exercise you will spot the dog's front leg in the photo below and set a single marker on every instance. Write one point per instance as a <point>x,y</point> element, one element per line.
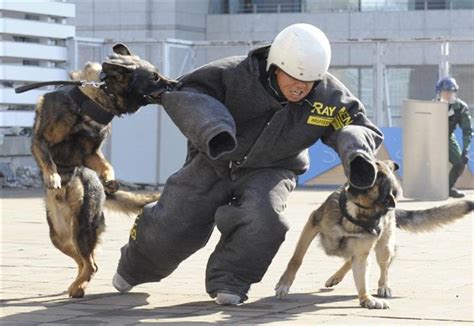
<point>310,231</point>
<point>104,169</point>
<point>385,251</point>
<point>51,178</point>
<point>360,263</point>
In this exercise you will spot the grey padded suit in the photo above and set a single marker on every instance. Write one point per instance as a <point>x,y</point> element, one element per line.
<point>244,152</point>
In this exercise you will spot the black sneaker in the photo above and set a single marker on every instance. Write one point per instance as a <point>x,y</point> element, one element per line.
<point>453,192</point>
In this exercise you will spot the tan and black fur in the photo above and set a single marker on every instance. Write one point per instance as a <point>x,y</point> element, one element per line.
<point>78,179</point>
<point>374,211</point>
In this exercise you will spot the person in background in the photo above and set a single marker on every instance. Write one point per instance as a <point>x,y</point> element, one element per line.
<point>446,91</point>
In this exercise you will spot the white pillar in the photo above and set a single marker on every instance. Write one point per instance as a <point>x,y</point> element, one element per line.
<point>378,81</point>
<point>444,60</point>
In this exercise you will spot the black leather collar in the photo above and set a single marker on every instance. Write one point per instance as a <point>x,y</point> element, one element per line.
<point>372,223</point>
<point>87,106</point>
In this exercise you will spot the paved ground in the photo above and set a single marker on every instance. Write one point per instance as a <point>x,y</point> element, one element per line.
<point>432,278</point>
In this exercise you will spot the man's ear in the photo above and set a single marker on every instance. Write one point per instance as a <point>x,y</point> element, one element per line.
<point>122,49</point>
<point>116,70</point>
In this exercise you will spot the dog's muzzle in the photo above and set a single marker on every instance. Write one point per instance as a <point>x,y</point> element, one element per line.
<point>166,86</point>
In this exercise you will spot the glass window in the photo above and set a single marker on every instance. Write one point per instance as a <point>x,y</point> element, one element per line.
<point>384,5</point>
<point>413,82</point>
<point>359,81</point>
<point>464,75</point>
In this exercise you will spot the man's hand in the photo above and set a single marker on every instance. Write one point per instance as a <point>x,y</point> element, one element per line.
<point>362,173</point>
<point>465,156</point>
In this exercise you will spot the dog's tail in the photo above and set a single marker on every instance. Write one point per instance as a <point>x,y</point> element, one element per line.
<point>128,202</point>
<point>426,220</point>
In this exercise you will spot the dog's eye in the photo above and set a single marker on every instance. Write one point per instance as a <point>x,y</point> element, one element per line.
<point>156,77</point>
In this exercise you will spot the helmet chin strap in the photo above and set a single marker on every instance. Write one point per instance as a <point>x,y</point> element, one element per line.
<point>273,85</point>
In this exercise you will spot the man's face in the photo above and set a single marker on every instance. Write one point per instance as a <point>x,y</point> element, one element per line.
<point>447,96</point>
<point>293,89</point>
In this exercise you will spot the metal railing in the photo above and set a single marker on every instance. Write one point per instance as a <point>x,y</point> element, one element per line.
<point>314,6</point>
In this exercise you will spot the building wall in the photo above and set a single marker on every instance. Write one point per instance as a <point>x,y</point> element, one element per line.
<point>141,19</point>
<point>346,25</point>
<point>33,48</point>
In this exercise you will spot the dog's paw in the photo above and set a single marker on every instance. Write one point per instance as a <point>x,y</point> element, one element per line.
<point>373,303</point>
<point>282,289</point>
<point>333,280</point>
<point>111,186</point>
<point>384,292</point>
<point>76,291</point>
<point>52,181</point>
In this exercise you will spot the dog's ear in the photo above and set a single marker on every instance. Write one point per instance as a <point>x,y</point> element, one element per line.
<point>392,165</point>
<point>75,75</point>
<point>116,70</point>
<point>390,201</point>
<point>122,49</point>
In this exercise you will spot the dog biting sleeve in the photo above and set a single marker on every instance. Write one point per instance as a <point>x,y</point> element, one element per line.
<point>352,135</point>
<point>203,120</point>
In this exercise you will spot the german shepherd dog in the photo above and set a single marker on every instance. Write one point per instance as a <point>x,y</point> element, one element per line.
<point>67,135</point>
<point>353,222</point>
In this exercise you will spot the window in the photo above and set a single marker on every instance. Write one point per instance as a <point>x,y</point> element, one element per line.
<point>464,75</point>
<point>359,81</point>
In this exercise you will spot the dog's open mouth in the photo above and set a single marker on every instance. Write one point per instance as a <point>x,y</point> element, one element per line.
<point>163,87</point>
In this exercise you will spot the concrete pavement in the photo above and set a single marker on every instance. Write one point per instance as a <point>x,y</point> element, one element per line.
<point>431,278</point>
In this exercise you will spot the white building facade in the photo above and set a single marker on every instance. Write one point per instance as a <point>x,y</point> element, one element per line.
<point>33,48</point>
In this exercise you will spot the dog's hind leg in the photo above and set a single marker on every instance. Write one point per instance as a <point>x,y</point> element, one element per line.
<point>86,243</point>
<point>65,246</point>
<point>78,287</point>
<point>74,290</point>
<point>339,275</point>
<point>63,224</point>
<point>385,251</point>
<point>90,224</point>
<point>310,231</point>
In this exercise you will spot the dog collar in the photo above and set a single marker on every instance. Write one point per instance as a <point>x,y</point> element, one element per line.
<point>371,227</point>
<point>87,106</point>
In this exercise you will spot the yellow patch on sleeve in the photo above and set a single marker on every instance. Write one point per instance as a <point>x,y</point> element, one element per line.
<point>133,231</point>
<point>343,118</point>
<point>319,121</point>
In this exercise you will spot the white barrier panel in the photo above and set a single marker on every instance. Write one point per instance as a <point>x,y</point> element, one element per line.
<point>425,150</point>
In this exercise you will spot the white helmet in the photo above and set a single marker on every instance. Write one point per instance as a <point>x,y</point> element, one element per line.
<point>302,51</point>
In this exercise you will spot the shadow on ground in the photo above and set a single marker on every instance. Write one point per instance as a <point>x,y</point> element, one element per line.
<point>83,311</point>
